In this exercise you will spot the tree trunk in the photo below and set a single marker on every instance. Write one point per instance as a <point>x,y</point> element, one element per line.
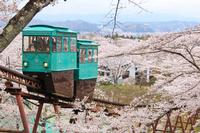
<point>115,79</point>
<point>20,20</point>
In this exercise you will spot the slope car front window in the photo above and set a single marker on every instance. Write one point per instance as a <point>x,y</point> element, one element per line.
<point>65,44</point>
<point>28,44</point>
<point>54,44</point>
<point>43,44</point>
<point>59,44</point>
<point>90,55</point>
<point>73,44</point>
<point>36,43</point>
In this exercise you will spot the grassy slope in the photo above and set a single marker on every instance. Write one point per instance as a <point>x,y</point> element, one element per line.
<point>125,93</point>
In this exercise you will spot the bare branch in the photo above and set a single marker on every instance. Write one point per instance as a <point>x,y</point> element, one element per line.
<point>115,17</point>
<point>116,11</point>
<point>183,56</point>
<point>188,89</point>
<point>139,6</point>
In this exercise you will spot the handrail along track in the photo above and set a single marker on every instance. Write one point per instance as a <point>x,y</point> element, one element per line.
<point>17,77</point>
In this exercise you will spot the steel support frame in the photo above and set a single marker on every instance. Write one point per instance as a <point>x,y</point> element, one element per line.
<point>17,92</point>
<point>22,113</point>
<point>19,98</point>
<point>185,126</point>
<point>37,119</point>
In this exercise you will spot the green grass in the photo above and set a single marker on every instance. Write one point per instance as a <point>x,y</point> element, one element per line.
<point>123,93</point>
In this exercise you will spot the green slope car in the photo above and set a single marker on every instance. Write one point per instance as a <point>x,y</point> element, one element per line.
<point>66,66</point>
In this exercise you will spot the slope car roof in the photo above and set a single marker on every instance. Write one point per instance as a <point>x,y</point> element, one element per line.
<point>46,30</point>
<point>87,43</point>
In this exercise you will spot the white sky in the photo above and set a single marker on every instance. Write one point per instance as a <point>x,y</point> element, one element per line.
<point>95,10</point>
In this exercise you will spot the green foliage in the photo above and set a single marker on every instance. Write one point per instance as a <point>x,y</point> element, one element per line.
<point>141,81</point>
<point>138,37</point>
<point>152,80</point>
<point>197,129</point>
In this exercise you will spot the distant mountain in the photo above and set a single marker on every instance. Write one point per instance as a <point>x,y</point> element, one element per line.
<point>135,27</point>
<point>81,26</point>
<point>77,25</point>
<point>170,26</point>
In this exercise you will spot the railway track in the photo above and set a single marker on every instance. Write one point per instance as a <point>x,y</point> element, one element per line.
<point>21,79</point>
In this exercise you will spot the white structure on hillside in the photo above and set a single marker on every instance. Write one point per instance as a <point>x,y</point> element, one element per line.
<point>134,73</point>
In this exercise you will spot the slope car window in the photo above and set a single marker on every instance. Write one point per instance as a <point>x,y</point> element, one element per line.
<point>65,44</point>
<point>82,55</point>
<point>73,44</point>
<point>27,44</point>
<point>36,43</point>
<point>89,55</point>
<point>54,44</point>
<point>59,44</point>
<point>95,56</point>
<point>42,44</point>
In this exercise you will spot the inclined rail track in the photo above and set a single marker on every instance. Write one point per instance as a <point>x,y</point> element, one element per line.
<point>19,78</point>
<point>103,101</point>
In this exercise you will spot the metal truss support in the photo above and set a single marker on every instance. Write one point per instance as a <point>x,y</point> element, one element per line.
<point>185,124</point>
<point>37,117</point>
<point>22,113</point>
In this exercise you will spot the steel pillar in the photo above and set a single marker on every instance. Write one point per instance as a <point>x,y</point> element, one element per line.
<point>22,113</point>
<point>56,108</point>
<point>37,119</point>
<point>154,126</point>
<point>179,124</point>
<point>168,124</point>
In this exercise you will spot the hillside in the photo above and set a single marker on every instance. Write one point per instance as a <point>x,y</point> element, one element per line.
<point>177,85</point>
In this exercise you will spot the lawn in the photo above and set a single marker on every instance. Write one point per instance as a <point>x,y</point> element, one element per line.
<point>123,93</point>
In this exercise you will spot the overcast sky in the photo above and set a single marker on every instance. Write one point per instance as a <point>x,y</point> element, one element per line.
<point>96,10</point>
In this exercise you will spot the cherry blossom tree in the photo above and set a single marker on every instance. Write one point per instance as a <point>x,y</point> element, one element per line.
<point>7,8</point>
<point>176,56</point>
<point>175,59</point>
<point>117,68</point>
